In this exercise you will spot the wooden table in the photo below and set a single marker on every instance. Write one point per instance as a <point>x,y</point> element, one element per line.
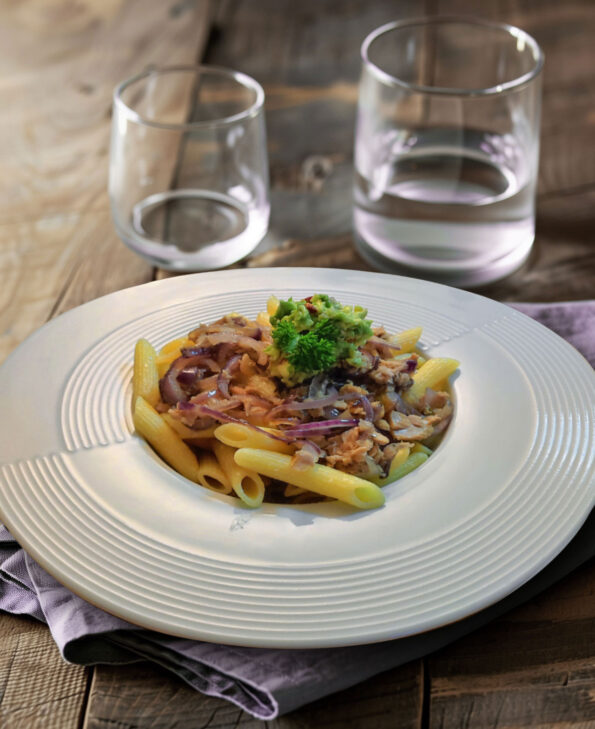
<point>59,61</point>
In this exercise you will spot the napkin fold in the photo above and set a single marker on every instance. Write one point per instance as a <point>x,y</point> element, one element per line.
<point>265,682</point>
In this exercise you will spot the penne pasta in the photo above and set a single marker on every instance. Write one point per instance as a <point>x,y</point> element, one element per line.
<point>398,459</point>
<point>420,448</point>
<point>429,375</point>
<point>211,475</point>
<point>153,428</point>
<point>406,340</point>
<point>330,386</point>
<point>413,461</point>
<point>320,479</point>
<point>145,378</point>
<point>272,305</point>
<point>185,432</point>
<point>241,436</point>
<point>247,485</point>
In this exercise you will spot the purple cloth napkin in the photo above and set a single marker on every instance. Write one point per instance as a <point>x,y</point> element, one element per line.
<point>267,683</point>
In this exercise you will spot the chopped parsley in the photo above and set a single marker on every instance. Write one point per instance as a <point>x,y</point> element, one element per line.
<point>314,335</point>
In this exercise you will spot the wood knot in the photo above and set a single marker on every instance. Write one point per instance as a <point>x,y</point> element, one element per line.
<point>315,170</point>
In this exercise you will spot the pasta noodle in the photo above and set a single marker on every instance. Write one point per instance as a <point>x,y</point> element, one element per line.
<point>211,475</point>
<point>247,485</point>
<point>145,379</point>
<point>430,374</point>
<point>187,433</point>
<point>406,340</point>
<point>305,403</point>
<point>164,439</point>
<point>411,463</point>
<point>321,479</point>
<point>241,436</point>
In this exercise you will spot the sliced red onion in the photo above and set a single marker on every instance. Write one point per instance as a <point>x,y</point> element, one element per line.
<point>224,353</point>
<point>368,409</point>
<point>240,339</point>
<point>223,381</point>
<point>254,332</point>
<point>197,399</point>
<point>189,375</point>
<point>308,404</point>
<point>196,351</point>
<point>314,447</point>
<point>224,418</point>
<point>321,427</point>
<point>233,363</point>
<point>306,456</point>
<point>411,365</point>
<point>204,396</point>
<point>169,387</point>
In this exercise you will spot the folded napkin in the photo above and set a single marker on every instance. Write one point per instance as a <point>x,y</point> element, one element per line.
<point>267,683</point>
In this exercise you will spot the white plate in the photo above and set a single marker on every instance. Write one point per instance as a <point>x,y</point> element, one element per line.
<point>508,488</point>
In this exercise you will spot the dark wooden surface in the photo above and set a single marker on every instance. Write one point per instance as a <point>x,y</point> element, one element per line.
<point>534,667</point>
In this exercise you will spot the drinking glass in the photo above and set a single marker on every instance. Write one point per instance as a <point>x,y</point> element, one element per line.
<point>188,180</point>
<point>446,150</point>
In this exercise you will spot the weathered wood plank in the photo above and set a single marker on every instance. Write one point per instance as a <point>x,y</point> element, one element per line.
<point>564,32</point>
<point>57,243</point>
<point>144,696</point>
<point>318,90</point>
<point>532,668</point>
<point>391,700</point>
<point>57,249</point>
<point>38,690</point>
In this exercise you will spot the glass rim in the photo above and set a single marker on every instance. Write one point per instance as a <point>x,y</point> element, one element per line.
<point>510,30</point>
<point>241,78</point>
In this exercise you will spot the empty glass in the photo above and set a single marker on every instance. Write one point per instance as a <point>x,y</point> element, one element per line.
<point>446,149</point>
<point>188,180</point>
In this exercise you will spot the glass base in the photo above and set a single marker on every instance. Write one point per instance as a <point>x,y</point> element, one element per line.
<point>448,273</point>
<point>193,230</point>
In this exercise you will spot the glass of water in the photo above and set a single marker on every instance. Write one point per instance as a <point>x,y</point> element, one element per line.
<point>188,180</point>
<point>446,150</point>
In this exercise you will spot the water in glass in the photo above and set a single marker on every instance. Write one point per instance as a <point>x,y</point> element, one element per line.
<point>445,201</point>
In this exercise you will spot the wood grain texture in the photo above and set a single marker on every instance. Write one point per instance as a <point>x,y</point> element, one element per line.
<point>532,668</point>
<point>144,696</point>
<point>307,58</point>
<point>38,690</point>
<point>59,67</point>
<point>59,63</point>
